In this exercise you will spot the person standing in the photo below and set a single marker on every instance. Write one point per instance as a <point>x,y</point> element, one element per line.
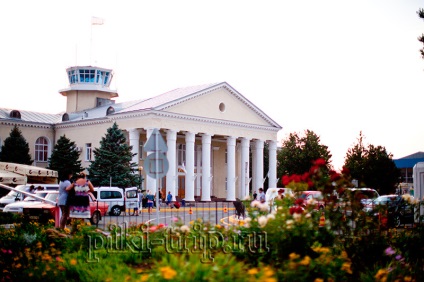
<point>261,195</point>
<point>150,199</point>
<point>80,205</point>
<point>65,182</point>
<point>255,195</point>
<point>169,199</point>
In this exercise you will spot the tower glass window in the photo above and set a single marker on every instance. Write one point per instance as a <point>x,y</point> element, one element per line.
<point>41,149</point>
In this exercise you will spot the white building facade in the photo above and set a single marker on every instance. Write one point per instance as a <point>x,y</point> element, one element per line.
<point>212,133</point>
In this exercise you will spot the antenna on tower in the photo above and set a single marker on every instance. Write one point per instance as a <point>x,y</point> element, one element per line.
<point>94,21</point>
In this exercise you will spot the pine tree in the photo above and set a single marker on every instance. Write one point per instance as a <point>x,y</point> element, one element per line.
<point>15,148</point>
<point>65,158</point>
<point>113,160</point>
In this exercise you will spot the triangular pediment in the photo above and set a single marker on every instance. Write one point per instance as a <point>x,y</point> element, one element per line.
<point>219,102</point>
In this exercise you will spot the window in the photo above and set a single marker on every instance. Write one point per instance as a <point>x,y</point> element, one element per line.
<point>110,195</point>
<point>65,117</point>
<point>15,114</point>
<point>88,152</point>
<point>131,194</point>
<point>72,76</point>
<point>86,76</point>
<point>110,111</point>
<point>181,154</point>
<point>41,149</point>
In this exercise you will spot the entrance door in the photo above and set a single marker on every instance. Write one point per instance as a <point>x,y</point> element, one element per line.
<point>181,186</point>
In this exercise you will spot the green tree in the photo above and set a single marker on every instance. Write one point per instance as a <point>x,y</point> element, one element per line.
<point>113,160</point>
<point>298,153</point>
<point>420,13</point>
<point>355,160</point>
<point>373,167</point>
<point>65,158</point>
<point>15,148</point>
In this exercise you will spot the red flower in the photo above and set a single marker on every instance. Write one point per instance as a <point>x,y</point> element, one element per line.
<point>285,180</point>
<point>320,162</point>
<point>305,176</point>
<point>310,184</point>
<point>313,169</point>
<point>299,209</point>
<point>299,202</point>
<point>296,178</point>
<point>334,175</point>
<point>345,171</point>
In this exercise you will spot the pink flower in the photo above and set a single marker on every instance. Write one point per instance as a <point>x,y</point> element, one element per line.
<point>389,251</point>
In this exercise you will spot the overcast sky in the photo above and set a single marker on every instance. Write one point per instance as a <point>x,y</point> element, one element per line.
<point>335,67</point>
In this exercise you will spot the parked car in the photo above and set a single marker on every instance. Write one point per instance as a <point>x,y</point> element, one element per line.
<point>15,195</point>
<point>355,198</point>
<point>17,207</point>
<point>43,212</point>
<point>391,210</point>
<point>313,196</point>
<point>115,198</point>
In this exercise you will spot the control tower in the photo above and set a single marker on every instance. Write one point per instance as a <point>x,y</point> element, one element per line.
<point>88,88</point>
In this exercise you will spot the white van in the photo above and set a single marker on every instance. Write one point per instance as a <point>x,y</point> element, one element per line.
<point>115,197</point>
<point>15,195</point>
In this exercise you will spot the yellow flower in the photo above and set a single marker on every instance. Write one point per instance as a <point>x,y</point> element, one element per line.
<point>73,262</point>
<point>381,275</point>
<point>407,279</point>
<point>38,245</point>
<point>268,271</point>
<point>67,230</point>
<point>18,265</point>
<point>294,256</point>
<point>252,271</point>
<point>167,272</point>
<point>346,267</point>
<point>144,277</point>
<point>305,261</point>
<point>319,280</point>
<point>51,221</point>
<point>270,279</point>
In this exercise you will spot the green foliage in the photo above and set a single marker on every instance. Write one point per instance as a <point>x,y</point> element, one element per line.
<point>15,148</point>
<point>373,167</point>
<point>113,160</point>
<point>65,158</point>
<point>298,153</point>
<point>420,13</point>
<point>282,240</point>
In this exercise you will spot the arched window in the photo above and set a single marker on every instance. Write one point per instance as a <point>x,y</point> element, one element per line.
<point>65,117</point>
<point>41,149</point>
<point>15,114</point>
<point>110,110</point>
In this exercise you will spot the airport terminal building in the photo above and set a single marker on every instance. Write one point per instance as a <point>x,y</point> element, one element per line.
<point>212,133</point>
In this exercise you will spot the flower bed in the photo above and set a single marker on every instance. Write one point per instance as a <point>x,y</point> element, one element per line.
<point>282,243</point>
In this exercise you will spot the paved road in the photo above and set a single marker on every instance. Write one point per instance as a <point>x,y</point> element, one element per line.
<point>167,216</point>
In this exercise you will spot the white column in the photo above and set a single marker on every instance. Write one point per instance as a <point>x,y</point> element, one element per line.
<point>134,137</point>
<point>259,165</point>
<point>272,158</point>
<point>197,191</point>
<point>189,177</point>
<point>206,167</point>
<point>244,167</point>
<point>231,168</point>
<point>171,143</point>
<point>150,182</point>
